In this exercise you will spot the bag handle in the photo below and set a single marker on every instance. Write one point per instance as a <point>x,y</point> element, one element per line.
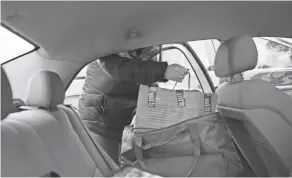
<point>138,151</point>
<point>180,99</point>
<point>152,97</point>
<point>188,60</point>
<point>189,82</point>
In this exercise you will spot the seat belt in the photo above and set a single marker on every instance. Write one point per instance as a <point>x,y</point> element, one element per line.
<point>245,145</point>
<point>103,153</point>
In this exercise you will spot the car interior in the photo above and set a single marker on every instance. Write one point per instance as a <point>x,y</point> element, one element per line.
<point>272,109</point>
<point>42,134</point>
<point>48,136</point>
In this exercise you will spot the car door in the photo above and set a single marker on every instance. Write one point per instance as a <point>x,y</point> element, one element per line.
<point>178,53</point>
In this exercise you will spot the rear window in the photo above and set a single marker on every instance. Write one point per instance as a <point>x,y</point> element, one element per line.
<point>12,45</point>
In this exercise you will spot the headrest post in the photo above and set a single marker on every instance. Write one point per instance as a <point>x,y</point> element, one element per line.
<point>235,78</point>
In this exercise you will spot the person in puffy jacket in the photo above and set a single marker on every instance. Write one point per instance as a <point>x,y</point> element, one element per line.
<point>110,92</point>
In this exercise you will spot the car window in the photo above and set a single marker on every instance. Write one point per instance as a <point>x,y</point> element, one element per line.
<point>175,56</point>
<point>12,45</point>
<point>274,61</point>
<point>171,55</point>
<point>272,54</point>
<point>206,51</point>
<point>74,90</point>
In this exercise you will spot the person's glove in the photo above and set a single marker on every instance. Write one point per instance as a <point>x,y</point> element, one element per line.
<point>175,72</point>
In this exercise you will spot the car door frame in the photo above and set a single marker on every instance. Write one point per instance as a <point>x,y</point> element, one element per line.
<point>200,71</point>
<point>203,76</point>
<point>199,62</point>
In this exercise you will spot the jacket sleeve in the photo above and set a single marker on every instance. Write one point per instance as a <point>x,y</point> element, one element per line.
<point>134,70</point>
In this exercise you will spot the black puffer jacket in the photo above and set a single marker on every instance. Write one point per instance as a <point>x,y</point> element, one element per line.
<point>111,90</point>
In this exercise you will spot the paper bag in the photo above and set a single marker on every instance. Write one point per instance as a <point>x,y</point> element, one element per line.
<point>159,107</point>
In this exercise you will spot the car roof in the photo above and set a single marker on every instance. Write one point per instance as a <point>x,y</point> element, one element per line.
<point>77,31</point>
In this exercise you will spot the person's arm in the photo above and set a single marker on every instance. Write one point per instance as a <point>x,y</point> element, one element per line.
<point>134,70</point>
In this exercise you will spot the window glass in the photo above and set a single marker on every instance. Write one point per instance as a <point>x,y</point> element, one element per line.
<point>273,53</point>
<point>75,88</point>
<point>11,45</point>
<point>274,61</point>
<point>206,51</point>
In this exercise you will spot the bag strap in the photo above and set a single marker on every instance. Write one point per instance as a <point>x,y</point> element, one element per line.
<point>189,83</point>
<point>245,144</point>
<point>181,101</point>
<point>110,163</point>
<point>193,131</point>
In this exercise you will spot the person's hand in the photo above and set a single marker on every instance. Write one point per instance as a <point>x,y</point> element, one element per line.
<point>175,72</point>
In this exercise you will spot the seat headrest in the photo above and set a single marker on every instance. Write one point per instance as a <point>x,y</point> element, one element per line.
<point>45,89</point>
<point>6,96</point>
<point>236,55</point>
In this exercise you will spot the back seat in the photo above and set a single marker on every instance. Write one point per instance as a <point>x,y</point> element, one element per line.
<point>48,137</point>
